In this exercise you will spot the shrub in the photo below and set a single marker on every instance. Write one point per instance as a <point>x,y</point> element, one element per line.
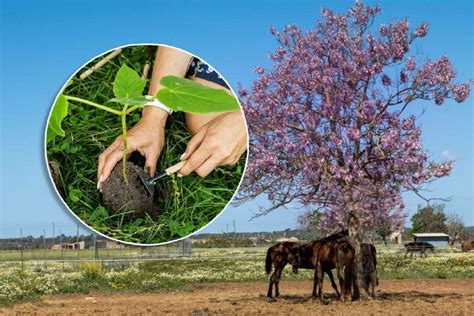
<point>91,270</point>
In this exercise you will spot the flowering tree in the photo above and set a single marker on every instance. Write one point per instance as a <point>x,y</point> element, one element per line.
<point>328,123</point>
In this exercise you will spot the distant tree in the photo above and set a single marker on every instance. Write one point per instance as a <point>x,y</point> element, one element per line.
<point>309,221</point>
<point>430,219</point>
<point>383,231</point>
<point>455,227</point>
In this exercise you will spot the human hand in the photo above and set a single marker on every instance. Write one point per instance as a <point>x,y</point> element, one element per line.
<point>220,142</point>
<point>146,137</point>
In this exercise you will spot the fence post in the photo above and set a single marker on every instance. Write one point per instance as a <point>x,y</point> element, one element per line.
<point>61,245</point>
<point>96,251</point>
<point>77,242</point>
<point>21,248</point>
<point>44,247</point>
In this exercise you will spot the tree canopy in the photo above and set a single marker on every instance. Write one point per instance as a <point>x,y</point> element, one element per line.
<point>328,123</point>
<point>430,219</point>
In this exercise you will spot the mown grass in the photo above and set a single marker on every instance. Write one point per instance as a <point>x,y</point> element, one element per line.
<point>188,203</point>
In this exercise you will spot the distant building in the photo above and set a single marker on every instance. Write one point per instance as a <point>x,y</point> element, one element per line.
<point>254,240</point>
<point>436,239</point>
<point>108,244</point>
<point>292,239</point>
<point>69,246</point>
<point>396,237</point>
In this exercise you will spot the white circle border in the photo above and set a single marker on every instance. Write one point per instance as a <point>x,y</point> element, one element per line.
<point>102,234</point>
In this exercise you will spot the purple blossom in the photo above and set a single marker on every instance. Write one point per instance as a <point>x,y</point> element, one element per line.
<point>259,70</point>
<point>461,92</point>
<point>321,130</point>
<point>353,134</point>
<point>386,81</point>
<point>410,64</point>
<point>422,30</point>
<point>403,77</point>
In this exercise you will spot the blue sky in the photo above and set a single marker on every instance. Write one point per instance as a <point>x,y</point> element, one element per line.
<point>44,42</point>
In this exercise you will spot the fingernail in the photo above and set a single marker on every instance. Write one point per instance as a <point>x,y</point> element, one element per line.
<point>100,180</point>
<point>180,175</point>
<point>182,156</point>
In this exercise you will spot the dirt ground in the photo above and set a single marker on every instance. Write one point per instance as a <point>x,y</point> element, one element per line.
<point>394,297</point>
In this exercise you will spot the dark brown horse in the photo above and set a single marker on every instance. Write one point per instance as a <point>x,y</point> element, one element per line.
<point>467,246</point>
<point>332,254</point>
<point>296,254</point>
<point>369,262</point>
<point>299,256</point>
<point>420,247</point>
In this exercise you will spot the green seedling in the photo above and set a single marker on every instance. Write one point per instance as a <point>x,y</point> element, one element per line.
<point>177,93</point>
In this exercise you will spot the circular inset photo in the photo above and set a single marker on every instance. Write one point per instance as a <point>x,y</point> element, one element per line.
<point>146,144</point>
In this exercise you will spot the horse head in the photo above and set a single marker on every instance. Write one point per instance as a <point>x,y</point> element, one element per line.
<point>294,257</point>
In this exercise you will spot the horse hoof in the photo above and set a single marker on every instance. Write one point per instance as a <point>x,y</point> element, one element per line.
<point>271,299</point>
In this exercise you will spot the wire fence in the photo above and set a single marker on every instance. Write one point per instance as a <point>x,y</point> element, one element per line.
<point>121,257</point>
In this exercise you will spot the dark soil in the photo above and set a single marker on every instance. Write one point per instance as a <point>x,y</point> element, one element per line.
<point>118,196</point>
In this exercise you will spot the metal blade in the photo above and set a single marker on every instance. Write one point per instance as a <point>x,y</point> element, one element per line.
<point>149,185</point>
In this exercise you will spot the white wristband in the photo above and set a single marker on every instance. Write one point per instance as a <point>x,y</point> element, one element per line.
<point>157,104</point>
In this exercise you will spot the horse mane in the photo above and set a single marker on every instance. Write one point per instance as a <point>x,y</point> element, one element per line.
<point>336,236</point>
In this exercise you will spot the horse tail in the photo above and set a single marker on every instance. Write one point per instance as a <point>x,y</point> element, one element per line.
<point>268,261</point>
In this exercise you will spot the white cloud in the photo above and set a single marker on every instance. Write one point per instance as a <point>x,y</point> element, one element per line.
<point>447,155</point>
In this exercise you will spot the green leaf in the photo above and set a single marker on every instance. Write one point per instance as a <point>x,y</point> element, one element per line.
<point>127,83</point>
<point>174,227</point>
<point>185,95</point>
<point>58,114</point>
<point>141,100</point>
<point>99,213</point>
<point>75,195</point>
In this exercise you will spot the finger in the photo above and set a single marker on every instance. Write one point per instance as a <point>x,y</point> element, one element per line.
<point>102,157</point>
<point>207,167</point>
<point>151,160</point>
<point>195,160</point>
<point>110,163</point>
<point>194,143</point>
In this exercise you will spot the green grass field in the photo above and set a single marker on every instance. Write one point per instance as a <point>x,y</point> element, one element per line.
<point>188,203</point>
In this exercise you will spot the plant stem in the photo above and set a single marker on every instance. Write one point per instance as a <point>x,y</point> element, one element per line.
<point>125,145</point>
<point>133,108</point>
<point>99,106</point>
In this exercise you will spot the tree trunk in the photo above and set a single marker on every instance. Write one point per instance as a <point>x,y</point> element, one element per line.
<point>354,236</point>
<point>363,271</point>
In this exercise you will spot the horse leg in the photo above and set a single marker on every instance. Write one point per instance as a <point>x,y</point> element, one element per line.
<point>341,284</point>
<point>334,286</point>
<point>270,287</point>
<point>356,291</point>
<point>320,276</point>
<point>277,281</point>
<point>372,285</point>
<point>315,282</point>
